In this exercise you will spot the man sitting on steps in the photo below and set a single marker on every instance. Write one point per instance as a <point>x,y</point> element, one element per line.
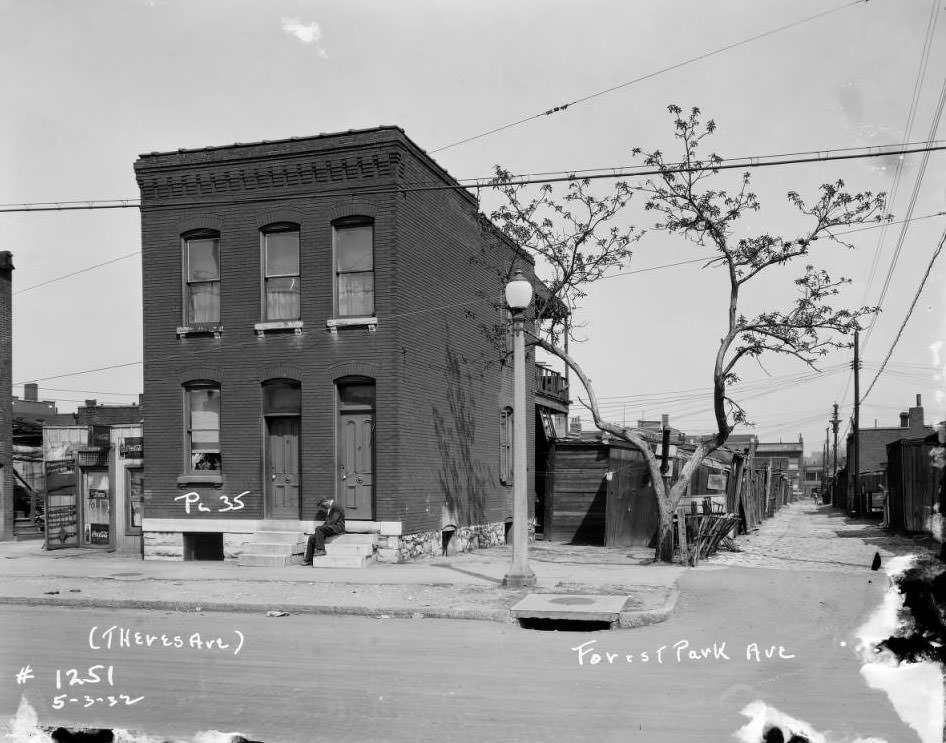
<point>334,524</point>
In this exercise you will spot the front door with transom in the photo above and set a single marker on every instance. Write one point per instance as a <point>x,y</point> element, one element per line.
<point>356,449</point>
<point>282,475</point>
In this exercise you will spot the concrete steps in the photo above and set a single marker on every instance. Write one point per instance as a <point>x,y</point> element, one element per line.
<point>273,547</point>
<point>269,561</point>
<point>347,551</point>
<point>342,561</point>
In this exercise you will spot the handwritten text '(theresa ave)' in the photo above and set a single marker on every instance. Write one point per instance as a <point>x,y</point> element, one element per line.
<point>116,637</point>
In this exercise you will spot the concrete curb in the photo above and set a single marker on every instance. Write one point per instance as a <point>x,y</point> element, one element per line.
<point>633,619</point>
<point>627,619</point>
<point>199,607</point>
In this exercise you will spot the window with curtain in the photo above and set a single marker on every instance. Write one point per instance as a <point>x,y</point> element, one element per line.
<point>505,446</point>
<point>282,283</point>
<point>202,408</point>
<point>202,278</point>
<point>354,268</point>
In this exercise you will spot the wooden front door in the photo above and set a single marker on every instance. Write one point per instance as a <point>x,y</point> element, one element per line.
<point>282,475</point>
<point>356,463</point>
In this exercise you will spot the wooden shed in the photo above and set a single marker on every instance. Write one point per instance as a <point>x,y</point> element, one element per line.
<point>599,492</point>
<point>913,483</point>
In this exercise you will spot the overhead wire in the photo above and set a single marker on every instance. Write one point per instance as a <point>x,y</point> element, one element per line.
<point>754,161</point>
<point>648,76</point>
<point>906,319</point>
<point>908,130</point>
<point>76,273</point>
<point>912,203</point>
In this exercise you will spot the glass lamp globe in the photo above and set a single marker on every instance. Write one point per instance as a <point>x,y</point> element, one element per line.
<point>518,292</point>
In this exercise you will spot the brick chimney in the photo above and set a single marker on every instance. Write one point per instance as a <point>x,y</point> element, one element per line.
<point>915,416</point>
<point>31,392</point>
<point>665,421</point>
<point>91,403</point>
<point>904,420</point>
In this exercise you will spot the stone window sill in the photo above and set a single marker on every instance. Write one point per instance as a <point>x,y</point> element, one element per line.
<point>262,328</point>
<point>351,322</point>
<point>215,479</point>
<point>185,330</point>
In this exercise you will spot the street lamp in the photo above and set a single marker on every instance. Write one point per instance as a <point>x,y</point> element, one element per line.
<point>518,298</point>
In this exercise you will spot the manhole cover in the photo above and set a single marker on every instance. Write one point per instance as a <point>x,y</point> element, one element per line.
<point>571,600</point>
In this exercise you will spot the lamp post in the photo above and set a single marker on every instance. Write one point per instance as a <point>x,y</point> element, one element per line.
<point>518,299</point>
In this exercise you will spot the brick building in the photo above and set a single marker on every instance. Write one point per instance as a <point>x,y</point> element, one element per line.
<point>787,461</point>
<point>872,456</point>
<point>320,319</point>
<point>6,395</point>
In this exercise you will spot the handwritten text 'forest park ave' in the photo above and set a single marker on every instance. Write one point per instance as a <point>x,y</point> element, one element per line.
<point>679,652</point>
<point>116,637</point>
<point>229,504</point>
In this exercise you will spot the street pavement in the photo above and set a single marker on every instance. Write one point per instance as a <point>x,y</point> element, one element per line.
<point>771,627</point>
<point>809,536</point>
<point>464,586</point>
<point>801,536</point>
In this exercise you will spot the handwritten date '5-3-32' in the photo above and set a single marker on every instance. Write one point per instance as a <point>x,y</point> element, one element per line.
<point>61,700</point>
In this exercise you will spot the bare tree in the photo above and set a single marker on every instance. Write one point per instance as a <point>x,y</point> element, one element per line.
<point>807,328</point>
<point>574,240</point>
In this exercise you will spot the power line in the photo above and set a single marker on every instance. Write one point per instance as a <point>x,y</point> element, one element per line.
<point>648,76</point>
<point>906,319</point>
<point>756,161</point>
<point>913,198</point>
<point>908,129</point>
<point>76,273</point>
<point>75,374</point>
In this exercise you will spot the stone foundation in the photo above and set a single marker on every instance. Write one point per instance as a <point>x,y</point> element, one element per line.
<point>427,544</point>
<point>161,545</point>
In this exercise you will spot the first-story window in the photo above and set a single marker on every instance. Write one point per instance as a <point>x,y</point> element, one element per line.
<point>202,278</point>
<point>202,408</point>
<point>282,283</point>
<point>505,446</point>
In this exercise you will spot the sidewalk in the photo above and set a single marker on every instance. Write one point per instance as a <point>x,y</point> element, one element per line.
<point>465,586</point>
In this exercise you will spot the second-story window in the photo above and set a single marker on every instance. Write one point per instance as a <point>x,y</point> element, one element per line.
<point>202,278</point>
<point>354,268</point>
<point>282,283</point>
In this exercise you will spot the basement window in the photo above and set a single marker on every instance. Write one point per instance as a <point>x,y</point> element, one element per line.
<point>203,546</point>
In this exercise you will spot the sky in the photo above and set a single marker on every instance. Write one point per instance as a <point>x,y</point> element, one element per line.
<point>88,86</point>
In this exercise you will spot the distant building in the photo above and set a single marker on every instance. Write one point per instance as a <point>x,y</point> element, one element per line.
<point>813,479</point>
<point>95,414</point>
<point>786,460</point>
<point>872,457</point>
<point>30,408</point>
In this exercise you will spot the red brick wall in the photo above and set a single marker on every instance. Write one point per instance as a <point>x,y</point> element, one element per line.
<point>440,384</point>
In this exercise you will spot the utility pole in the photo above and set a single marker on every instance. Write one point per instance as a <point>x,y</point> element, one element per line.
<point>834,477</point>
<point>856,477</point>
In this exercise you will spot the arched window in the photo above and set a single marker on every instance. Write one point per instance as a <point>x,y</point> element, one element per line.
<point>282,397</point>
<point>201,277</point>
<point>282,281</point>
<point>202,414</point>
